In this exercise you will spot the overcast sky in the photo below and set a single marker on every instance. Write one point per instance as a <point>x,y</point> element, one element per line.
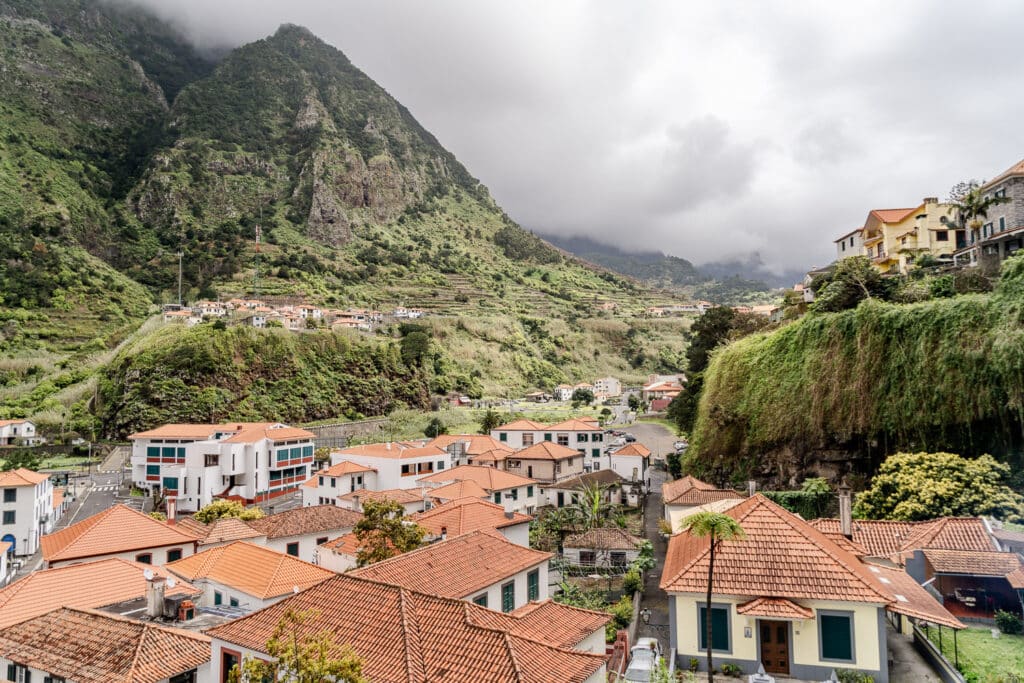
<point>710,130</point>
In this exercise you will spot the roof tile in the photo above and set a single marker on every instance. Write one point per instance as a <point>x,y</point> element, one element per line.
<point>306,520</point>
<point>118,529</point>
<point>489,478</point>
<point>463,515</point>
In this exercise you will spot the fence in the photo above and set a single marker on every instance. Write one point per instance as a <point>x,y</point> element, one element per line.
<point>947,672</point>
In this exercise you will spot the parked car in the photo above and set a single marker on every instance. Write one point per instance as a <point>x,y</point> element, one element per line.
<point>629,438</point>
<point>681,445</point>
<point>643,658</point>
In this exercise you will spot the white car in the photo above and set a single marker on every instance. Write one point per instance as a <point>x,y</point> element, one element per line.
<point>643,658</point>
<point>681,445</point>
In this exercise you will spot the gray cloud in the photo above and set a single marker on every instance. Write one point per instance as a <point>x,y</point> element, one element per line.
<point>707,130</point>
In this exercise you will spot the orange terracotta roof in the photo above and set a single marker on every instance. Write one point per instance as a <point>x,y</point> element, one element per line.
<point>118,529</point>
<point>4,423</point>
<point>1016,578</point>
<point>598,478</point>
<point>255,570</point>
<point>459,489</point>
<point>489,478</point>
<point>550,622</point>
<point>22,477</point>
<point>92,647</point>
<point>1016,169</point>
<point>973,562</point>
<point>403,496</point>
<point>494,456</point>
<point>892,215</point>
<point>401,635</point>
<point>87,585</point>
<point>783,556</point>
<point>774,608</point>
<point>888,538</point>
<point>195,431</point>
<point>521,426</point>
<point>345,467</point>
<point>878,538</point>
<point>467,514</point>
<point>605,538</point>
<point>692,491</point>
<point>912,599</point>
<point>306,520</point>
<point>390,450</point>
<point>344,545</point>
<point>573,425</point>
<point>258,433</point>
<point>546,450</point>
<point>636,448</point>
<point>476,444</point>
<point>456,567</point>
<point>219,531</point>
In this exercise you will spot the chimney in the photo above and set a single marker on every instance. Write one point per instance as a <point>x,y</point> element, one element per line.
<point>751,488</point>
<point>845,510</point>
<point>509,514</point>
<point>930,200</point>
<point>444,533</point>
<point>155,596</point>
<point>172,511</point>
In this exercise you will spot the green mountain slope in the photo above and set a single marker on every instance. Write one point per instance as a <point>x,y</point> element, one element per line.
<point>121,148</point>
<point>837,392</point>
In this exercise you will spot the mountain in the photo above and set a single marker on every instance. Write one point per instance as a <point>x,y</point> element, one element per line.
<point>127,155</point>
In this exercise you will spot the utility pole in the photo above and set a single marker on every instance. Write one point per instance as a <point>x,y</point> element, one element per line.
<point>256,273</point>
<point>180,254</point>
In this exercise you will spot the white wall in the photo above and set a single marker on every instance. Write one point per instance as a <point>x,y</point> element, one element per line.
<point>344,483</point>
<point>389,470</point>
<point>336,562</point>
<point>33,515</point>
<point>494,590</point>
<point>245,601</point>
<point>517,533</point>
<point>307,542</point>
<point>159,554</point>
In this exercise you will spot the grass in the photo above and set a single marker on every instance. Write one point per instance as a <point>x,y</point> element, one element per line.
<point>667,424</point>
<point>64,462</point>
<point>991,660</point>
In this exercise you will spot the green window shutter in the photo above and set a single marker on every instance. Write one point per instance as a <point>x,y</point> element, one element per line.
<point>836,632</point>
<point>719,629</point>
<point>181,452</point>
<point>508,597</point>
<point>151,452</point>
<point>529,492</point>
<point>152,469</point>
<point>480,600</point>
<point>497,497</point>
<point>595,452</point>
<point>533,584</point>
<point>218,599</point>
<point>171,483</point>
<point>547,437</point>
<point>502,436</point>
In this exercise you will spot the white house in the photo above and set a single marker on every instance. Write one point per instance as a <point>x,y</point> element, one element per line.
<point>245,575</point>
<point>685,496</point>
<point>397,465</point>
<point>607,387</point>
<point>850,244</point>
<point>324,487</point>
<point>18,433</point>
<point>465,447</point>
<point>585,436</point>
<point>372,616</point>
<point>118,531</point>
<point>512,491</point>
<point>67,644</point>
<point>563,392</point>
<point>602,547</point>
<point>298,532</point>
<point>464,515</point>
<point>197,464</point>
<point>26,510</point>
<point>482,566</point>
<point>413,500</point>
<point>631,462</point>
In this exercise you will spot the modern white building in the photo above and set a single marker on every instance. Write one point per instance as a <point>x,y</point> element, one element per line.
<point>586,436</point>
<point>607,387</point>
<point>196,464</point>
<point>18,433</point>
<point>397,465</point>
<point>26,510</point>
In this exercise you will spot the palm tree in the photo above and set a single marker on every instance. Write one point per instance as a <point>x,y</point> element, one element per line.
<point>970,205</point>
<point>592,508</point>
<point>720,528</point>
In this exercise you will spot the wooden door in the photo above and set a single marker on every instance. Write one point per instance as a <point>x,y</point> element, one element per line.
<point>774,637</point>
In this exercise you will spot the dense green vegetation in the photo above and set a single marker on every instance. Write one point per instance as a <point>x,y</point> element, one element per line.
<point>945,374</point>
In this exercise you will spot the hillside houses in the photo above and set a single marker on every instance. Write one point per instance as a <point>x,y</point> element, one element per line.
<point>296,317</point>
<point>28,510</point>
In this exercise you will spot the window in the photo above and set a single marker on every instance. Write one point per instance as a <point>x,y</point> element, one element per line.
<point>228,661</point>
<point>58,679</point>
<point>152,451</point>
<point>1002,223</point>
<point>210,459</point>
<point>563,439</point>
<point>218,599</point>
<point>508,597</point>
<point>514,495</point>
<point>533,585</point>
<point>8,516</point>
<point>480,600</point>
<point>186,677</point>
<point>502,436</point>
<point>173,554</point>
<point>514,463</point>
<point>547,437</point>
<point>529,492</point>
<point>497,498</point>
<point>618,558</point>
<point>942,235</point>
<point>321,540</point>
<point>293,549</point>
<point>10,495</point>
<point>582,437</point>
<point>153,470</point>
<point>440,464</point>
<point>334,482</point>
<point>144,558</point>
<point>528,439</point>
<point>835,636</point>
<point>320,481</point>
<point>171,483</point>
<point>587,558</point>
<point>595,452</point>
<point>18,673</point>
<point>843,246</point>
<point>597,437</point>
<point>407,470</point>
<point>719,628</point>
<point>233,602</point>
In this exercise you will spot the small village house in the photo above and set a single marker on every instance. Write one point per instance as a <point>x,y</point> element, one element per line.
<point>1001,234</point>
<point>18,433</point>
<point>685,496</point>
<point>412,500</point>
<point>397,465</point>
<point>299,531</point>
<point>463,515</point>
<point>27,510</point>
<point>513,492</point>
<point>604,547</point>
<point>324,487</point>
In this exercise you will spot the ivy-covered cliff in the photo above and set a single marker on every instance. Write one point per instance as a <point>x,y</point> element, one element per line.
<point>834,393</point>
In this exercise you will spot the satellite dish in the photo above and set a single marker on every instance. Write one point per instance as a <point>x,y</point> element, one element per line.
<point>171,583</point>
<point>148,573</point>
<point>295,589</point>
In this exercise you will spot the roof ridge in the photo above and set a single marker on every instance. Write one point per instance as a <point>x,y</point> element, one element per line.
<point>410,637</point>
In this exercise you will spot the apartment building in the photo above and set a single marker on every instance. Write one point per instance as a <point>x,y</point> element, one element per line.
<point>26,509</point>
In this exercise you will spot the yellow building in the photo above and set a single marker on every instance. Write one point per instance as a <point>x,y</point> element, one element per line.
<point>894,238</point>
<point>787,597</point>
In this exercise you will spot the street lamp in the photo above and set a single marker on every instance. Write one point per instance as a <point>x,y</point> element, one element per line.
<point>645,615</point>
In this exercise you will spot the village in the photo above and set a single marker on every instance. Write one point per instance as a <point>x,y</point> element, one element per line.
<point>540,552</point>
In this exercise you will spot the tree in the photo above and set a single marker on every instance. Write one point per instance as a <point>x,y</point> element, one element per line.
<point>719,528</point>
<point>435,428</point>
<point>919,486</point>
<point>633,402</point>
<point>591,508</point>
<point>300,656</point>
<point>21,459</point>
<point>583,397</point>
<point>385,531</point>
<point>219,509</point>
<point>969,206</point>
<point>489,420</point>
<point>683,408</point>
<point>708,331</point>
<point>853,280</point>
<point>414,347</point>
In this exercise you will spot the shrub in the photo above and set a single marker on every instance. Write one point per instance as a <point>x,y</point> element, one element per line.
<point>851,676</point>
<point>732,670</point>
<point>632,582</point>
<point>1008,622</point>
